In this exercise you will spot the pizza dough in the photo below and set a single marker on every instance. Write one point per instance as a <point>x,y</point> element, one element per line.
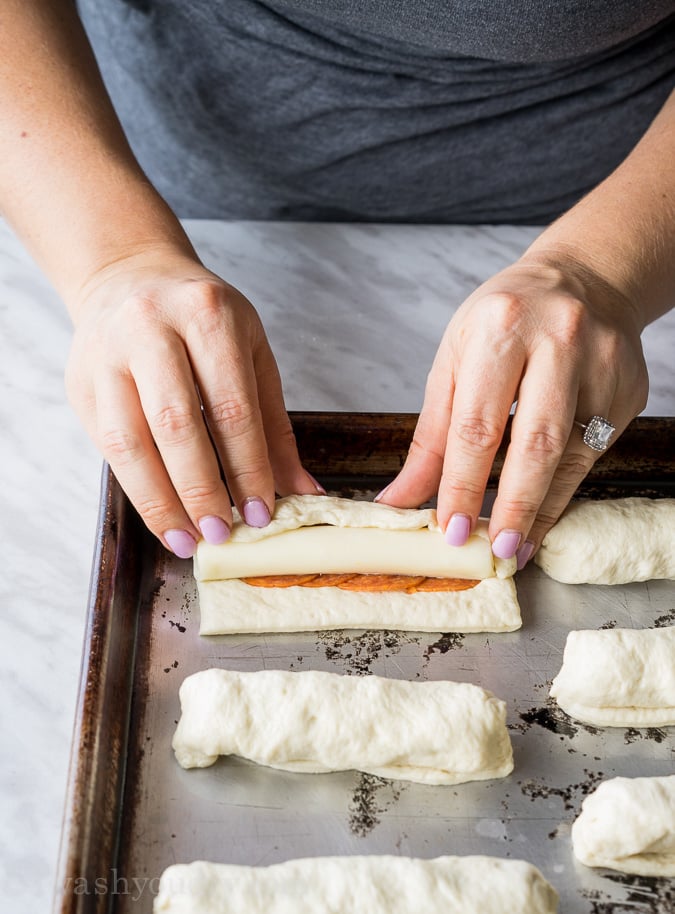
<point>619,677</point>
<point>628,824</point>
<point>230,607</point>
<point>611,542</point>
<point>354,885</point>
<point>430,732</point>
<point>318,534</point>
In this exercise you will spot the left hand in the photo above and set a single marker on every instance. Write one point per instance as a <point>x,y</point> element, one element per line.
<point>551,334</point>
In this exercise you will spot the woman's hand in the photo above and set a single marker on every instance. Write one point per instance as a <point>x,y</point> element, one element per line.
<point>172,375</point>
<point>554,336</point>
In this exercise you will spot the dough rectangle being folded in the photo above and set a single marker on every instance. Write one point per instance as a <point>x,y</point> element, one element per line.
<point>619,677</point>
<point>628,824</point>
<point>358,885</point>
<point>317,534</point>
<point>312,721</point>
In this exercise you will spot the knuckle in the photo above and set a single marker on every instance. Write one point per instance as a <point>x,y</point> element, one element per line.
<point>120,446</point>
<point>518,506</point>
<point>232,412</point>
<point>545,519</point>
<point>503,314</point>
<point>143,309</point>
<point>207,310</point>
<point>199,492</point>
<point>420,448</point>
<point>478,432</point>
<point>459,489</point>
<point>570,471</point>
<point>571,322</point>
<point>154,511</point>
<point>248,477</point>
<point>543,445</point>
<point>174,422</point>
<point>504,310</point>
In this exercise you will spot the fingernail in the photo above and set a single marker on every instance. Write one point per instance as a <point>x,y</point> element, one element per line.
<point>506,543</point>
<point>524,554</point>
<point>214,529</point>
<point>256,512</point>
<point>181,543</point>
<point>319,488</point>
<point>458,530</point>
<point>382,493</point>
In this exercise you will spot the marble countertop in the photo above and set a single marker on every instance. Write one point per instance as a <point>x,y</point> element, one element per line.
<point>354,314</point>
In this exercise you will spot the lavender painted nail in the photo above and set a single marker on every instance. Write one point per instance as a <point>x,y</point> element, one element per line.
<point>256,512</point>
<point>319,488</point>
<point>181,543</point>
<point>458,530</point>
<point>506,543</point>
<point>524,554</point>
<point>214,529</point>
<point>382,493</point>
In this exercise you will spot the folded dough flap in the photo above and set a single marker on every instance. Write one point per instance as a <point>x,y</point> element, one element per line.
<point>325,535</point>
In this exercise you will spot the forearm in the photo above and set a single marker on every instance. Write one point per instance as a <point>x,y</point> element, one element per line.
<point>69,183</point>
<point>624,230</point>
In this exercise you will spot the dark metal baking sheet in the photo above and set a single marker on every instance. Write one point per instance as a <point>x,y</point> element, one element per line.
<point>131,811</point>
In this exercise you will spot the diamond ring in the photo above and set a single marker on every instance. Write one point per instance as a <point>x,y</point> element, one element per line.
<point>597,433</point>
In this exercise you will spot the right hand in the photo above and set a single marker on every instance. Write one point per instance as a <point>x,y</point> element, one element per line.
<point>155,333</point>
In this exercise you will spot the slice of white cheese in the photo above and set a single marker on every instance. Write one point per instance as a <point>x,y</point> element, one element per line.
<point>319,534</point>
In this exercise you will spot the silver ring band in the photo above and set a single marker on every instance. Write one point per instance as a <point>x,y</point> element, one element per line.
<point>597,433</point>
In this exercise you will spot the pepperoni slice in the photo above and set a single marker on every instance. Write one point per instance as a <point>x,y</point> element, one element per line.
<point>381,583</point>
<point>330,580</point>
<point>365,583</point>
<point>441,585</point>
<point>281,580</point>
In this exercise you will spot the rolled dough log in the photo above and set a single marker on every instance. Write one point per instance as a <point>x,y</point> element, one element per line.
<point>619,677</point>
<point>317,534</point>
<point>430,732</point>
<point>611,542</point>
<point>354,885</point>
<point>628,824</point>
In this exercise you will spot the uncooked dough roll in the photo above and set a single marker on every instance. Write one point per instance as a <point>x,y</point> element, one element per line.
<point>353,885</point>
<point>611,542</point>
<point>628,824</point>
<point>430,732</point>
<point>619,677</point>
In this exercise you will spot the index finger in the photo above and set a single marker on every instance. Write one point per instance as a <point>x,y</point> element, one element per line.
<point>484,392</point>
<point>220,347</point>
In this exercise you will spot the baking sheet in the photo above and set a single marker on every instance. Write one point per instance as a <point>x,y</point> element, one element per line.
<point>132,810</point>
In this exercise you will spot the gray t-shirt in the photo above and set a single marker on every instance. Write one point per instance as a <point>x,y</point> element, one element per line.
<point>444,111</point>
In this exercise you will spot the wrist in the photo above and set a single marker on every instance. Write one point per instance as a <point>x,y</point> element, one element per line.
<point>129,269</point>
<point>587,273</point>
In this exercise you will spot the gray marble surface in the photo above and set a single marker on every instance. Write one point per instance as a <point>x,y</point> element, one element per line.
<point>354,314</point>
